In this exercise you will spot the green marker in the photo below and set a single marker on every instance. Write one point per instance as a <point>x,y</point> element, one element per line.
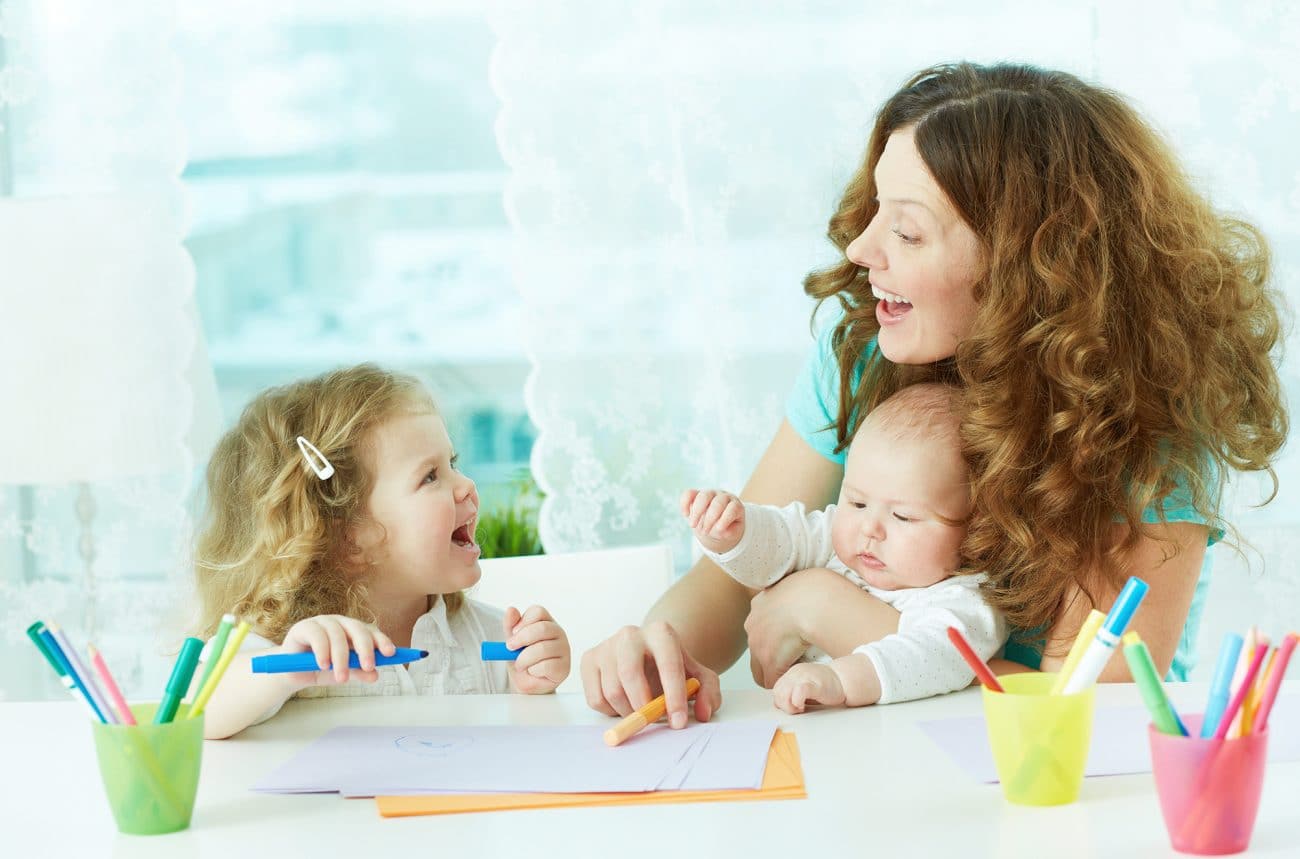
<point>179,683</point>
<point>217,645</point>
<point>56,662</point>
<point>34,633</point>
<point>1148,682</point>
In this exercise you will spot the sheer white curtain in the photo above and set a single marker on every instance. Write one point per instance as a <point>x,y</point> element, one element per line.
<point>93,525</point>
<point>672,170</point>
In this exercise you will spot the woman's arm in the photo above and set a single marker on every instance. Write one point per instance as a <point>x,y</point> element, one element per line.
<point>817,607</point>
<point>1163,614</point>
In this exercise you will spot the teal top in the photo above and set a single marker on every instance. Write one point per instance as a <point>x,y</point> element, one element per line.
<point>812,408</point>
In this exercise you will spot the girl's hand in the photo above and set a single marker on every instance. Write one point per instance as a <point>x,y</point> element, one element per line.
<point>330,637</point>
<point>545,661</point>
<point>636,664</point>
<point>808,683</point>
<point>716,517</point>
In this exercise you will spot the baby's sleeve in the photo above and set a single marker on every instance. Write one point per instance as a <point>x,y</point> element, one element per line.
<point>919,661</point>
<point>777,541</point>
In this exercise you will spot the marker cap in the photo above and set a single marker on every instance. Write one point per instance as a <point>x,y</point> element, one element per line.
<point>1125,604</point>
<point>183,671</point>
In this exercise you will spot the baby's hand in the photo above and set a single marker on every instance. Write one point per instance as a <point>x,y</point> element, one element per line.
<point>545,661</point>
<point>716,517</point>
<point>330,637</point>
<point>808,683</point>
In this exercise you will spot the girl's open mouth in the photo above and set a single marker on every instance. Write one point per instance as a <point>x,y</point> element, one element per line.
<point>464,535</point>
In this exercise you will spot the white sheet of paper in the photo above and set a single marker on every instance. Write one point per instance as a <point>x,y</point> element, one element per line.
<point>368,761</point>
<point>735,758</point>
<point>1119,740</point>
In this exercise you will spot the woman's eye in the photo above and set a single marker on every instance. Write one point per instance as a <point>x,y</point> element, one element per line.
<point>907,240</point>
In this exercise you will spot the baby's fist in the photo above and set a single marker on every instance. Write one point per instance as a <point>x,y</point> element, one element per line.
<point>716,517</point>
<point>807,683</point>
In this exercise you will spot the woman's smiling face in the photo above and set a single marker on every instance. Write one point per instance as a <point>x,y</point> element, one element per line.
<point>923,259</point>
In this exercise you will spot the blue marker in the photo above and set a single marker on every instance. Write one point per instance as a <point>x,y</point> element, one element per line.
<point>57,652</point>
<point>1221,685</point>
<point>285,663</point>
<point>496,651</point>
<point>1103,646</point>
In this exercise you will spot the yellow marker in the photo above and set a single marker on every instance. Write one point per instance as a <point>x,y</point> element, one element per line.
<point>210,685</point>
<point>1087,633</point>
<point>647,714</point>
<point>1251,705</point>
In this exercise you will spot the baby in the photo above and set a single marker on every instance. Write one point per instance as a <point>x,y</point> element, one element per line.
<point>896,532</point>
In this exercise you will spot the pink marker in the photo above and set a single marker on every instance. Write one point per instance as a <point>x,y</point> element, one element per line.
<point>1284,652</point>
<point>1234,706</point>
<point>114,693</point>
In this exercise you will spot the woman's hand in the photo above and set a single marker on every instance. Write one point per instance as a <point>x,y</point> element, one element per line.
<point>811,607</point>
<point>636,664</point>
<point>330,637</point>
<point>544,663</point>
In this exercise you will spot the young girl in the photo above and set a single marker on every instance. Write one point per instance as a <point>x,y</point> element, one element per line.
<point>337,521</point>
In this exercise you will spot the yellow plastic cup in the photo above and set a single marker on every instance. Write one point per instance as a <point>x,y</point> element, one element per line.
<point>150,772</point>
<point>1039,741</point>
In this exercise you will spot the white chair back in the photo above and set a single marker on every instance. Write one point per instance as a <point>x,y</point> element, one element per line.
<point>590,594</point>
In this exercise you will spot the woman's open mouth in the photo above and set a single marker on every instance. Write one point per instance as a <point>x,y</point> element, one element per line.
<point>891,308</point>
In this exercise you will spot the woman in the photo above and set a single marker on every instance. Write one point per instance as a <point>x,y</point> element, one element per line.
<point>1028,237</point>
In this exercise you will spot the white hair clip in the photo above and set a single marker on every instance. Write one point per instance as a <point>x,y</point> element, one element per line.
<point>324,470</point>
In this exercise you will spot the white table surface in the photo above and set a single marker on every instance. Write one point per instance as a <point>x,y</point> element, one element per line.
<point>876,786</point>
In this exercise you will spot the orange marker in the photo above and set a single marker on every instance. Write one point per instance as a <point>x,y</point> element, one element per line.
<point>1243,661</point>
<point>645,715</point>
<point>1252,701</point>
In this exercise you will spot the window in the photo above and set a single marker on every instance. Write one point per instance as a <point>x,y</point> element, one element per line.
<point>345,189</point>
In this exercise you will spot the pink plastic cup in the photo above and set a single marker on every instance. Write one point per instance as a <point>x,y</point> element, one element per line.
<point>1209,789</point>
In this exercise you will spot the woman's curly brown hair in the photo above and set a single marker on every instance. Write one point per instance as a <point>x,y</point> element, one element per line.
<point>1124,342</point>
<point>273,545</point>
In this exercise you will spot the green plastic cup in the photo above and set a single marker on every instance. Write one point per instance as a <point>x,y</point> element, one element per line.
<point>150,772</point>
<point>1040,741</point>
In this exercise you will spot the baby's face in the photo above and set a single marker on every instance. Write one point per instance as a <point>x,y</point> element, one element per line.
<point>888,526</point>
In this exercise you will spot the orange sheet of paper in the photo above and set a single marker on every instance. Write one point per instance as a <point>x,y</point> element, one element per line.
<point>783,779</point>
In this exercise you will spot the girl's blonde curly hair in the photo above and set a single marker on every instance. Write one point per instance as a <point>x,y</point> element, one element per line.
<point>1124,342</point>
<point>273,545</point>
